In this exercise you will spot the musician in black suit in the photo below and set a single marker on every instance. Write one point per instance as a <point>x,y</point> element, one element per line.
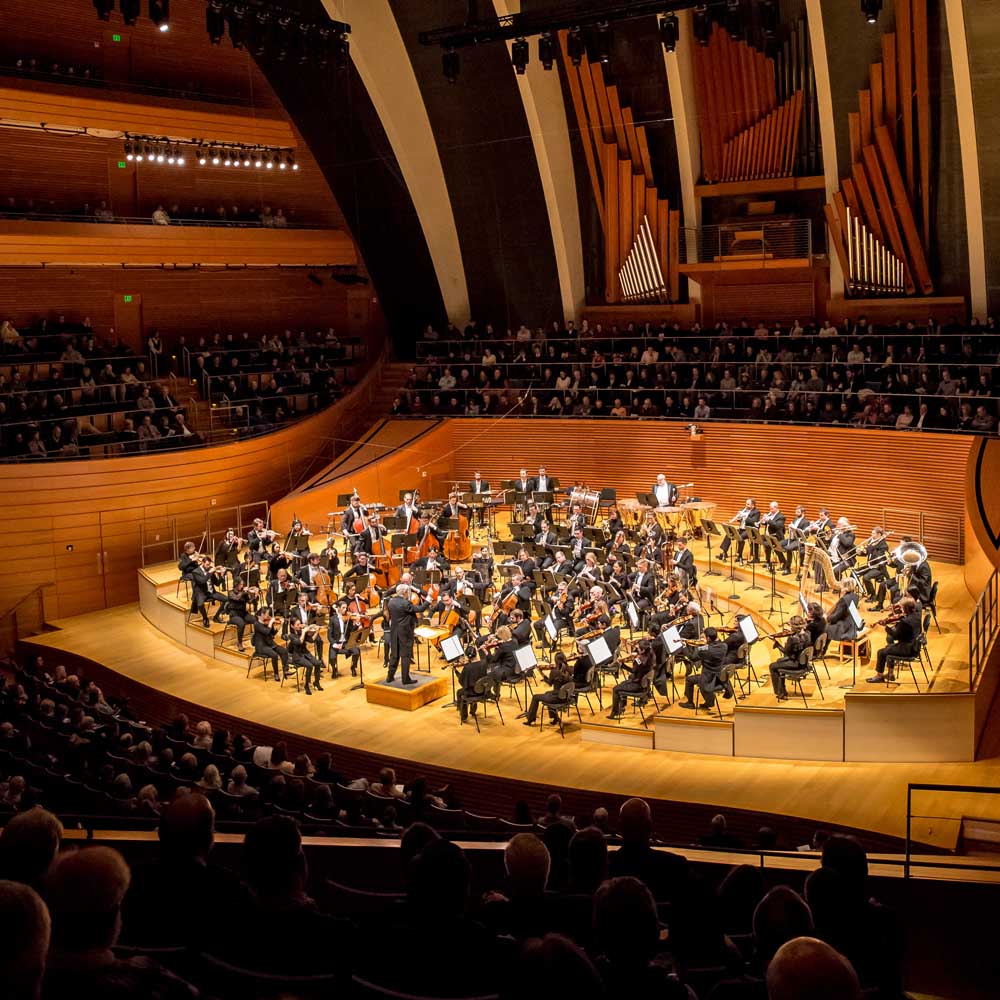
<point>300,656</point>
<point>523,483</point>
<point>407,511</point>
<point>359,540</point>
<point>519,585</point>
<point>502,661</point>
<point>711,657</point>
<point>545,535</point>
<point>202,589</point>
<point>482,569</point>
<point>329,558</point>
<point>792,544</point>
<point>642,585</point>
<point>340,628</point>
<point>773,523</point>
<point>542,483</point>
<point>563,603</point>
<point>297,542</point>
<point>227,552</point>
<point>643,665</point>
<point>748,517</point>
<point>236,608</point>
<point>665,492</point>
<point>520,628</point>
<point>525,564</point>
<point>917,578</point>
<point>790,652</point>
<point>876,570</point>
<point>473,672</point>
<point>427,528</point>
<point>905,635</point>
<point>259,539</point>
<point>402,617</point>
<point>560,675</point>
<point>577,545</point>
<point>535,518</point>
<point>300,612</point>
<point>840,625</point>
<point>684,562</point>
<point>282,592</point>
<point>478,484</point>
<point>264,631</point>
<point>189,561</point>
<point>842,548</point>
<point>362,567</point>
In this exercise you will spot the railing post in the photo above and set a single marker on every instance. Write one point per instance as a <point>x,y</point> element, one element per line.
<point>909,814</point>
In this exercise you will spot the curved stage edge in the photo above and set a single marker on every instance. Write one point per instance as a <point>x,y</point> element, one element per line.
<point>493,769</point>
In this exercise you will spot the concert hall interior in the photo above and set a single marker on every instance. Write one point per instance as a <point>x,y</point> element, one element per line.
<point>508,486</point>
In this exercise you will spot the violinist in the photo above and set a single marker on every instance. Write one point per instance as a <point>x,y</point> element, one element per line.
<point>277,561</point>
<point>643,666</point>
<point>711,659</point>
<point>217,578</point>
<point>236,608</point>
<point>671,602</point>
<point>341,627</point>
<point>502,662</point>
<point>264,631</point>
<point>593,613</point>
<point>794,644</point>
<point>473,672</point>
<point>227,552</point>
<point>904,630</point>
<point>563,604</point>
<point>189,561</point>
<point>482,567</point>
<point>202,589</point>
<point>304,612</point>
<point>298,542</point>
<point>249,571</point>
<point>282,592</point>
<point>875,574</point>
<point>840,624</point>
<point>520,627</point>
<point>735,640</point>
<point>300,656</point>
<point>560,675</point>
<point>259,539</point>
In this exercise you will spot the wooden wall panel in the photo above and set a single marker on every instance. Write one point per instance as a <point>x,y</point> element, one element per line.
<point>97,506</point>
<point>183,58</point>
<point>192,304</point>
<point>854,473</point>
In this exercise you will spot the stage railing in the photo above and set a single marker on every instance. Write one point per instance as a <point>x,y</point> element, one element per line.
<point>23,618</point>
<point>983,628</point>
<point>966,797</point>
<point>742,242</point>
<point>162,538</point>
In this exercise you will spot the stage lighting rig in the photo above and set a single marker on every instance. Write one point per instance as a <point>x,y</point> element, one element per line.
<point>104,9</point>
<point>159,14</point>
<point>871,10</point>
<point>670,31</point>
<point>519,55</point>
<point>131,9</point>
<point>215,21</point>
<point>734,19</point>
<point>702,24</point>
<point>547,49</point>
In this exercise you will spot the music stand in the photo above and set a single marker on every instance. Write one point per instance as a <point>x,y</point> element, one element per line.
<point>773,548</point>
<point>541,500</point>
<point>354,641</point>
<point>710,528</point>
<point>526,661</point>
<point>452,650</point>
<point>754,538</point>
<point>734,542</point>
<point>859,626</point>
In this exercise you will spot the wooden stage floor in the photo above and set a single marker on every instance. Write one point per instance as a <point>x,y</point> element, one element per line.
<point>863,795</point>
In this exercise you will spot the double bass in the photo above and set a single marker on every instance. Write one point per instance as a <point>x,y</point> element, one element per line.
<point>458,546</point>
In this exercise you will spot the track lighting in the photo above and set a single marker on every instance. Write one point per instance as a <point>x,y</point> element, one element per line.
<point>734,19</point>
<point>159,14</point>
<point>131,9</point>
<point>702,25</point>
<point>519,55</point>
<point>215,21</point>
<point>104,9</point>
<point>602,42</point>
<point>669,31</point>
<point>575,46</point>
<point>546,50</point>
<point>871,10</point>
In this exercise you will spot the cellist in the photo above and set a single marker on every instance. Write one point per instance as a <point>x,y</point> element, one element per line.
<point>446,613</point>
<point>408,512</point>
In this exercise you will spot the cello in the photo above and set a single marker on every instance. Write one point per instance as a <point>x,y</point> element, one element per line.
<point>458,546</point>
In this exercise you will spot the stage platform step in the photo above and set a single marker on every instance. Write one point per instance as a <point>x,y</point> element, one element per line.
<point>407,698</point>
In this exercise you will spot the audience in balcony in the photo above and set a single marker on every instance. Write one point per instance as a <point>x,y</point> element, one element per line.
<point>898,376</point>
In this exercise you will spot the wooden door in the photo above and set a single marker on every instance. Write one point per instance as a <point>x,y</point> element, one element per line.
<point>122,192</point>
<point>128,321</point>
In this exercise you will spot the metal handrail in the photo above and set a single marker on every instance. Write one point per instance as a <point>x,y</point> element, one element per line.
<point>145,220</point>
<point>912,787</point>
<point>984,626</point>
<point>746,241</point>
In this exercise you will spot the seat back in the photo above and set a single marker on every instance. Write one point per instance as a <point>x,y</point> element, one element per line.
<point>819,646</point>
<point>932,596</point>
<point>805,656</point>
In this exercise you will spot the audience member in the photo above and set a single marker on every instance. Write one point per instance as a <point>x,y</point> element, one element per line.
<point>808,969</point>
<point>24,942</point>
<point>666,874</point>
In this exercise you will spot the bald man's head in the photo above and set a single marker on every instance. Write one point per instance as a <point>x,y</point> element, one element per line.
<point>187,827</point>
<point>808,969</point>
<point>635,821</point>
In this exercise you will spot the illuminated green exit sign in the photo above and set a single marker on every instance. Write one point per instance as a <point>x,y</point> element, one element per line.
<point>116,38</point>
<point>121,164</point>
<point>126,298</point>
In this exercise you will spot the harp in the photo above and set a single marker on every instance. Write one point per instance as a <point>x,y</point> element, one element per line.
<point>816,583</point>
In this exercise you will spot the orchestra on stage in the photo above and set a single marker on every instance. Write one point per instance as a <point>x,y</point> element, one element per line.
<point>555,593</point>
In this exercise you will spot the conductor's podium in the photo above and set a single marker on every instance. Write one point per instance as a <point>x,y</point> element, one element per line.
<point>408,697</point>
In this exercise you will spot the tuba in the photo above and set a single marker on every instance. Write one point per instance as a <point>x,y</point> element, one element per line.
<point>911,555</point>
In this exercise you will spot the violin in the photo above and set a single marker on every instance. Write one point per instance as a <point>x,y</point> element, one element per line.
<point>895,616</point>
<point>359,607</point>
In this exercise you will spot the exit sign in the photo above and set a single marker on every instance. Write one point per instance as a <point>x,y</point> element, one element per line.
<point>121,164</point>
<point>126,298</point>
<point>116,38</point>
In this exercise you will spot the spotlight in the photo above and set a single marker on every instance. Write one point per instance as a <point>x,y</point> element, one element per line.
<point>180,158</point>
<point>669,31</point>
<point>260,28</point>
<point>236,16</point>
<point>216,159</point>
<point>291,161</point>
<point>871,10</point>
<point>159,13</point>
<point>228,161</point>
<point>171,159</point>
<point>269,163</point>
<point>129,155</point>
<point>769,17</point>
<point>734,19</point>
<point>215,21</point>
<point>519,55</point>
<point>321,46</point>
<point>283,37</point>
<point>546,50</point>
<point>702,25</point>
<point>574,46</point>
<point>159,154</point>
<point>104,9</point>
<point>602,42</point>
<point>451,64</point>
<point>202,156</point>
<point>259,162</point>
<point>342,51</point>
<point>246,159</point>
<point>131,9</point>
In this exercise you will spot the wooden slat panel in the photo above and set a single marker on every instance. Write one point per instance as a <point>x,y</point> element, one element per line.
<point>854,131</point>
<point>877,178</point>
<point>612,259</point>
<point>865,120</point>
<point>626,223</point>
<point>601,93</point>
<point>793,145</point>
<point>904,62</point>
<point>674,255</point>
<point>889,85</point>
<point>922,81</point>
<point>663,238</point>
<point>590,153</point>
<point>840,206</point>
<point>850,196</point>
<point>705,117</point>
<point>617,123</point>
<point>651,213</point>
<point>904,211</point>
<point>590,100</point>
<point>877,96</point>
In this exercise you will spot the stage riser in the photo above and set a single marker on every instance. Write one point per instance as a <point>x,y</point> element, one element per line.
<point>910,728</point>
<point>788,735</point>
<point>694,736</point>
<point>620,737</point>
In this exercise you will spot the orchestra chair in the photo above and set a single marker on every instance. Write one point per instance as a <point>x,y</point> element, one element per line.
<point>515,684</point>
<point>847,648</point>
<point>640,698</point>
<point>590,686</point>
<point>932,605</point>
<point>819,652</point>
<point>895,662</point>
<point>567,700</point>
<point>294,669</point>
<point>727,675</point>
<point>187,588</point>
<point>346,901</point>
<point>744,663</point>
<point>486,692</point>
<point>265,661</point>
<point>806,667</point>
<point>226,979</point>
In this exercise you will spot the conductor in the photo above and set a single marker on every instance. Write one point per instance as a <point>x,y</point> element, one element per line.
<point>402,617</point>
